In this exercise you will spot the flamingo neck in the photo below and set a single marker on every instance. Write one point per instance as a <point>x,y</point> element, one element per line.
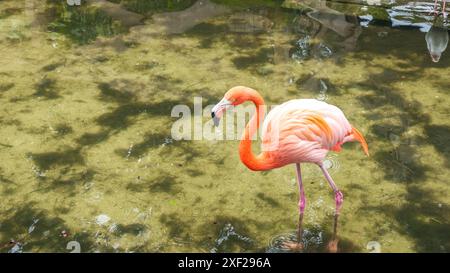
<point>252,161</point>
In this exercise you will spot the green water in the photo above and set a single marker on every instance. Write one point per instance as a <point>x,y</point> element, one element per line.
<point>86,152</point>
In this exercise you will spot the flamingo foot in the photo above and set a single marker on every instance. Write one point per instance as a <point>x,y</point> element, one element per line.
<point>293,246</point>
<point>332,246</point>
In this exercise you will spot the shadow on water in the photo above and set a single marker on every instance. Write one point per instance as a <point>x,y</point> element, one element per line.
<point>27,228</point>
<point>47,88</point>
<point>62,129</point>
<point>52,66</point>
<point>65,167</point>
<point>267,200</point>
<point>439,136</point>
<point>5,13</point>
<point>421,219</point>
<point>262,56</point>
<point>150,141</point>
<point>133,229</point>
<point>148,7</point>
<point>8,185</point>
<point>68,157</point>
<point>222,234</point>
<point>163,183</point>
<point>6,86</point>
<point>30,229</point>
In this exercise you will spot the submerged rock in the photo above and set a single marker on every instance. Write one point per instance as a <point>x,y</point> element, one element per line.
<point>102,219</point>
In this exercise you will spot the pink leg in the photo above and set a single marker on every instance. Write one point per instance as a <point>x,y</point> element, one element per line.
<point>443,9</point>
<point>435,8</point>
<point>298,246</point>
<point>301,203</point>
<point>339,199</point>
<point>302,200</point>
<point>338,196</point>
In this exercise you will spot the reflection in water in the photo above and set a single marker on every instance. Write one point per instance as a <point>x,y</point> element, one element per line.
<point>419,14</point>
<point>413,14</point>
<point>345,25</point>
<point>443,8</point>
<point>181,21</point>
<point>437,40</point>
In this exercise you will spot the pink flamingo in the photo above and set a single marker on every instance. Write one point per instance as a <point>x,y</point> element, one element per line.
<point>297,131</point>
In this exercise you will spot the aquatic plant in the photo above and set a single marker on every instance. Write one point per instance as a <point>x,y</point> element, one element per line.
<point>83,24</point>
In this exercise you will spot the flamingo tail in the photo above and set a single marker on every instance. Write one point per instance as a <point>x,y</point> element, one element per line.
<point>360,138</point>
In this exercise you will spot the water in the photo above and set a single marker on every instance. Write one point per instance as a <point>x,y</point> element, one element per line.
<point>89,164</point>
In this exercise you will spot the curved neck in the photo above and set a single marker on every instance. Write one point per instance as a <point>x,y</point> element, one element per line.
<point>252,161</point>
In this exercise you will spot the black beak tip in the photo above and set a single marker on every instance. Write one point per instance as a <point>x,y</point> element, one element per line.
<point>213,114</point>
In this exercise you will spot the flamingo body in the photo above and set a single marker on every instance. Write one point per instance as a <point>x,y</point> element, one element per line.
<point>304,130</point>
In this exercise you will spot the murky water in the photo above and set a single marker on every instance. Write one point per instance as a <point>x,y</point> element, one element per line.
<point>86,94</point>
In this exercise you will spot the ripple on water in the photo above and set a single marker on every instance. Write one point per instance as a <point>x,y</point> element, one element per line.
<point>228,235</point>
<point>331,163</point>
<point>323,91</point>
<point>312,241</point>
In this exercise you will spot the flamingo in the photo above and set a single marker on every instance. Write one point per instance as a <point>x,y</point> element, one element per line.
<point>297,131</point>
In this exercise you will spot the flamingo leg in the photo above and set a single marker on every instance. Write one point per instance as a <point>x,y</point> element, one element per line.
<point>435,12</point>
<point>301,203</point>
<point>298,246</point>
<point>339,199</point>
<point>443,9</point>
<point>338,196</point>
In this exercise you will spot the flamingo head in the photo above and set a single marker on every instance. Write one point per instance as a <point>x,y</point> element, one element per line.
<point>235,96</point>
<point>218,110</point>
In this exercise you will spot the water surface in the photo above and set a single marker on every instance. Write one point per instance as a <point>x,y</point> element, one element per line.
<point>86,94</point>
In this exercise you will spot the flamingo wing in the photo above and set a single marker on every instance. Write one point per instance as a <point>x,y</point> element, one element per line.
<point>304,130</point>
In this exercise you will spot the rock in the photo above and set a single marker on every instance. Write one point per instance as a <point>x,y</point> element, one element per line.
<point>102,219</point>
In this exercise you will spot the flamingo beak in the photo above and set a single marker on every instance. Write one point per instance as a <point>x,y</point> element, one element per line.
<point>216,119</point>
<point>218,110</point>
